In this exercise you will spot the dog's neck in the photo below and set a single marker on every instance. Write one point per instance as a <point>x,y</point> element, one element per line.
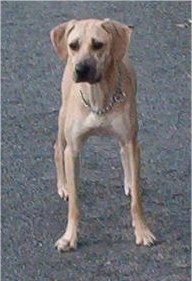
<point>98,95</point>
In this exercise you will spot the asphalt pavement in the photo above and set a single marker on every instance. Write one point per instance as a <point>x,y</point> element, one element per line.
<point>33,215</point>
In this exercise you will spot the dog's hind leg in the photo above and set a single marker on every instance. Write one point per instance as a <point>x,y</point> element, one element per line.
<point>59,149</point>
<point>126,169</point>
<point>60,169</point>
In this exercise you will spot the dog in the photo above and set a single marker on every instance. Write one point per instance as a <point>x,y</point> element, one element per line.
<point>98,98</point>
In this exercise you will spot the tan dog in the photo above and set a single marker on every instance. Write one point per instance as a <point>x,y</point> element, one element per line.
<point>98,97</point>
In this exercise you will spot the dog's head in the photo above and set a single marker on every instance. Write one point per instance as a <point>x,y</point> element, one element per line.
<point>91,46</point>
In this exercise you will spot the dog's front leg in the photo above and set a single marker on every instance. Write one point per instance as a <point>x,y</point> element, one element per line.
<point>131,163</point>
<point>69,239</point>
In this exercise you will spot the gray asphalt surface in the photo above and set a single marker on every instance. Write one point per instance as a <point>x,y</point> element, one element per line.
<point>33,216</point>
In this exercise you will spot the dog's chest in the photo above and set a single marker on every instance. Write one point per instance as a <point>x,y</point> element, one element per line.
<point>109,124</point>
<point>97,124</point>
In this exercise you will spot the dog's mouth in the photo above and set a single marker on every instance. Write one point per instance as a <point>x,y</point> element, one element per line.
<point>90,80</point>
<point>86,72</point>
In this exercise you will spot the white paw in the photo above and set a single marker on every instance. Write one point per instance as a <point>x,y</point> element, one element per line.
<point>62,191</point>
<point>143,235</point>
<point>64,245</point>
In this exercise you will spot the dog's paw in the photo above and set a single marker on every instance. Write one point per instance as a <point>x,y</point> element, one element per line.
<point>143,235</point>
<point>64,245</point>
<point>62,191</point>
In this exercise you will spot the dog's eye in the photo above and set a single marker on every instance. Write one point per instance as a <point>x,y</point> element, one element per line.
<point>97,45</point>
<point>74,46</point>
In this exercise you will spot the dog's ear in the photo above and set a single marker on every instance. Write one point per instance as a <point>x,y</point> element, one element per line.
<point>58,37</point>
<point>121,35</point>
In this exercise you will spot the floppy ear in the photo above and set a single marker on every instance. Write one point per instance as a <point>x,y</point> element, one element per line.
<point>58,37</point>
<point>121,35</point>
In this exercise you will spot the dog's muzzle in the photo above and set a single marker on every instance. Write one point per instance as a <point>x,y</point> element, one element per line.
<point>86,72</point>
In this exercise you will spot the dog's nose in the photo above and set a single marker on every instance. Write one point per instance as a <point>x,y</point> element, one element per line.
<point>82,69</point>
